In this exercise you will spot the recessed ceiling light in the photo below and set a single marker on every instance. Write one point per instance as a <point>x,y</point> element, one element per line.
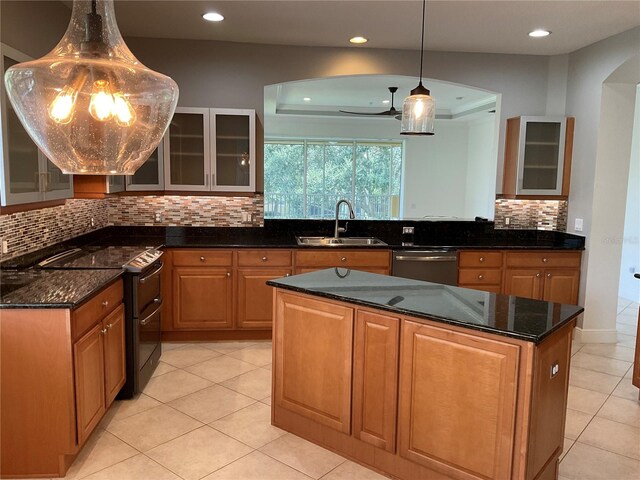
<point>358,40</point>
<point>539,33</point>
<point>307,99</point>
<point>213,17</point>
<point>385,101</point>
<point>459,98</point>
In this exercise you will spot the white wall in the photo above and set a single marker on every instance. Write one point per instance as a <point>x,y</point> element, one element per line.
<point>481,155</point>
<point>630,263</point>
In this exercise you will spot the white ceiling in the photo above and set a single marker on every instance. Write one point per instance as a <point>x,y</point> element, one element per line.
<point>466,26</point>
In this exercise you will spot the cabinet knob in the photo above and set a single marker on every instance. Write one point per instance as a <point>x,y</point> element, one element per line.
<point>103,331</point>
<point>105,304</point>
<point>228,274</point>
<point>287,274</point>
<point>343,259</point>
<point>264,259</point>
<point>545,260</point>
<point>202,259</point>
<point>482,259</point>
<point>480,277</point>
<point>109,325</point>
<point>538,275</point>
<point>548,275</point>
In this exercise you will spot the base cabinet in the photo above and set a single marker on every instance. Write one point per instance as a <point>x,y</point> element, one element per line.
<point>255,298</point>
<point>428,401</point>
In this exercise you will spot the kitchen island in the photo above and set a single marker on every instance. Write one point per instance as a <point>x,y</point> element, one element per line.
<point>421,380</point>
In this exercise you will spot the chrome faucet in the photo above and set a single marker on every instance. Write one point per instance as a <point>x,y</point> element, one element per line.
<point>352,215</point>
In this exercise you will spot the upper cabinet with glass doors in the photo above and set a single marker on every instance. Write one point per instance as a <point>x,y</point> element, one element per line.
<point>26,175</point>
<point>537,160</point>
<point>210,149</point>
<point>150,176</point>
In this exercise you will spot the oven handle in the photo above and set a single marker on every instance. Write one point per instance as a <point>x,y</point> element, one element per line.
<point>152,274</point>
<point>146,320</point>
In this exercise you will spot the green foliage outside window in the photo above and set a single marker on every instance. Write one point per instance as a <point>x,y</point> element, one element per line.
<point>305,178</point>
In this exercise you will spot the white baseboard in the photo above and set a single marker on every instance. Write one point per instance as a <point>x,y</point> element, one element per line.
<point>582,335</point>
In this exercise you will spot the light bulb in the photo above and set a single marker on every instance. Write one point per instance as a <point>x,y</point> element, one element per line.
<point>62,108</point>
<point>418,109</point>
<point>101,106</point>
<point>124,112</point>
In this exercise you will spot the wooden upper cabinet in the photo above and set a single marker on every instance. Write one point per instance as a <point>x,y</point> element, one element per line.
<point>457,402</point>
<point>537,158</point>
<point>202,297</point>
<point>375,379</point>
<point>312,371</point>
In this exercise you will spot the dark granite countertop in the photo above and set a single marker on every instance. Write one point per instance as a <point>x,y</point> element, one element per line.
<point>520,318</point>
<point>35,288</point>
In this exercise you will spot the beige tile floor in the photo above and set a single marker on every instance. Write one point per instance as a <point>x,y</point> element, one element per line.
<point>205,415</point>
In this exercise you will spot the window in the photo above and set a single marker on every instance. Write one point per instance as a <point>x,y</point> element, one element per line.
<point>305,178</point>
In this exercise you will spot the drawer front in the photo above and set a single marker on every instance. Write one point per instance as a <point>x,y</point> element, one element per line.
<point>207,258</point>
<point>342,258</point>
<point>484,259</point>
<point>544,259</point>
<point>480,276</point>
<point>264,258</point>
<point>91,312</point>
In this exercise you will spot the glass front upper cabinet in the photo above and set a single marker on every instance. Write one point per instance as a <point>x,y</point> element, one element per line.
<point>26,175</point>
<point>541,151</point>
<point>537,157</point>
<point>233,149</point>
<point>150,176</point>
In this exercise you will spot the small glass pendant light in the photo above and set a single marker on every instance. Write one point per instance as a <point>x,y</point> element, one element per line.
<point>419,109</point>
<point>89,104</point>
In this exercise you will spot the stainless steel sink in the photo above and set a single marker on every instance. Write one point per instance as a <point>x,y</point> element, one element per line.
<point>338,242</point>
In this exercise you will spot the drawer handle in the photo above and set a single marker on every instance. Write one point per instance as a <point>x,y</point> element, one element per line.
<point>264,259</point>
<point>545,260</point>
<point>538,275</point>
<point>103,331</point>
<point>105,304</point>
<point>482,259</point>
<point>343,259</point>
<point>202,259</point>
<point>480,277</point>
<point>228,274</point>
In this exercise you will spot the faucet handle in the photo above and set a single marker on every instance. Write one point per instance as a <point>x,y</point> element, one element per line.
<point>342,229</point>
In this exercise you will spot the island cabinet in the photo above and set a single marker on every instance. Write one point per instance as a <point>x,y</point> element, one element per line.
<point>61,370</point>
<point>544,275</point>
<point>366,260</point>
<point>221,293</point>
<point>419,399</point>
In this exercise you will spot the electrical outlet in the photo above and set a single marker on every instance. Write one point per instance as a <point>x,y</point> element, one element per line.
<point>92,222</point>
<point>407,230</point>
<point>507,220</point>
<point>158,216</point>
<point>245,217</point>
<point>5,246</point>
<point>579,225</point>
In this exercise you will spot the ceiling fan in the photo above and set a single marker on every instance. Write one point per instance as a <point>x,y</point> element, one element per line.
<point>392,112</point>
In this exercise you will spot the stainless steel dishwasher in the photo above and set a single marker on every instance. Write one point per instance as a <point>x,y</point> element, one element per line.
<point>438,266</point>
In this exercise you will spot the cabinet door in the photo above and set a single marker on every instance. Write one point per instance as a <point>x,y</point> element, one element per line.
<point>255,298</point>
<point>88,353</point>
<point>114,354</point>
<point>561,286</point>
<point>150,176</point>
<point>375,379</point>
<point>523,282</point>
<point>313,353</point>
<point>541,155</point>
<point>457,402</point>
<point>186,148</point>
<point>233,149</point>
<point>202,298</point>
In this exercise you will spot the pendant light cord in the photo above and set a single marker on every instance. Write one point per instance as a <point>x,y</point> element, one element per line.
<point>424,6</point>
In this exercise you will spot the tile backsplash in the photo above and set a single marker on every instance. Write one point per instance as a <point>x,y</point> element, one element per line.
<point>34,229</point>
<point>531,214</point>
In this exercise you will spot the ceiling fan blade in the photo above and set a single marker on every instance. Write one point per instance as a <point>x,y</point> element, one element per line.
<point>362,113</point>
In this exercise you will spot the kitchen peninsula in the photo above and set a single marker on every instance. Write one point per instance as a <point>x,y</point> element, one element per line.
<point>422,380</point>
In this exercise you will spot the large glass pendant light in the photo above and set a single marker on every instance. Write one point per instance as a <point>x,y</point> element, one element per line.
<point>419,109</point>
<point>89,104</point>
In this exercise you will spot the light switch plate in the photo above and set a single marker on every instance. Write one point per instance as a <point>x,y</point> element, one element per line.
<point>579,225</point>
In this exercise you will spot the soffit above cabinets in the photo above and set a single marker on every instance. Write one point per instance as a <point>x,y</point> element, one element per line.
<point>464,26</point>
